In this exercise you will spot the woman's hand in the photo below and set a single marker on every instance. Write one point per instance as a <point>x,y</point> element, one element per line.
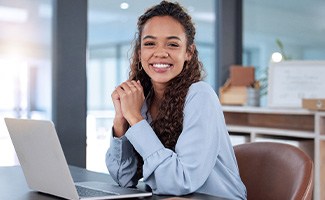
<point>120,125</point>
<point>131,98</point>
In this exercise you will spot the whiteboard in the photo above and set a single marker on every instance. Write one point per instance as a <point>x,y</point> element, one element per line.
<point>291,81</point>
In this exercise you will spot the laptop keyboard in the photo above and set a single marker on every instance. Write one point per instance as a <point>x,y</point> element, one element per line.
<point>87,192</point>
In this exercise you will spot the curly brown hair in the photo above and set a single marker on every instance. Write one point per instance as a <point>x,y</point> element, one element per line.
<point>169,122</point>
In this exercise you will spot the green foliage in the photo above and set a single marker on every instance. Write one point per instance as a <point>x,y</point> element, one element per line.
<point>262,73</point>
<point>281,48</point>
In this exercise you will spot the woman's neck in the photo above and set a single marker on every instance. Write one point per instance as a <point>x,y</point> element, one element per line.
<point>158,91</point>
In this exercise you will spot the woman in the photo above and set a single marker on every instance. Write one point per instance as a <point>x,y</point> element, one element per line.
<point>169,126</point>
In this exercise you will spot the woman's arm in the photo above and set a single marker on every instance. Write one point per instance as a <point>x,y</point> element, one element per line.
<point>121,162</point>
<point>120,157</point>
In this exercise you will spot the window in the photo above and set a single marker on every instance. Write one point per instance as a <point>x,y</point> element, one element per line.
<point>25,66</point>
<point>297,25</point>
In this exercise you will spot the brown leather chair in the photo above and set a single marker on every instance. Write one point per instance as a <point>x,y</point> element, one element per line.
<point>275,171</point>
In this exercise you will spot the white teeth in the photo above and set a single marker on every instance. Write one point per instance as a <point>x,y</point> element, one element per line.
<point>161,65</point>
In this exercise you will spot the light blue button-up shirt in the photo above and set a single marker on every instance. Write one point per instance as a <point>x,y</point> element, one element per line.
<point>203,161</point>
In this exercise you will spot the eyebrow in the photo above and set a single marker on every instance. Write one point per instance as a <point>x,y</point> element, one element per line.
<point>169,38</point>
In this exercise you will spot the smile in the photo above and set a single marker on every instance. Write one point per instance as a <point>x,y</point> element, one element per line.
<point>161,65</point>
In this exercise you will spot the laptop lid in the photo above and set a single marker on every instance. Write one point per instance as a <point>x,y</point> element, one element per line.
<point>43,162</point>
<point>41,157</point>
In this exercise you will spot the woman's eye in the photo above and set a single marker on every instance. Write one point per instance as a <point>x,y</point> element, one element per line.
<point>149,44</point>
<point>173,45</point>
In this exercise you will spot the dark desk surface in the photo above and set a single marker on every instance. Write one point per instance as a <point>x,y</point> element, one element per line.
<point>13,185</point>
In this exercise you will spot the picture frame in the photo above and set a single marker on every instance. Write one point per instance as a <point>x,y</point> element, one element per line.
<point>291,81</point>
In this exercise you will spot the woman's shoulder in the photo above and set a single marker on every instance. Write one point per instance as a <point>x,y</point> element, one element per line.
<point>202,94</point>
<point>201,86</point>
<point>201,90</point>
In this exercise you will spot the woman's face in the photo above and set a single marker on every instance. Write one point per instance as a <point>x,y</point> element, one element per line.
<point>163,49</point>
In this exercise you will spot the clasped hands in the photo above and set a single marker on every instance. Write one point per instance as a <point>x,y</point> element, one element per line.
<point>128,99</point>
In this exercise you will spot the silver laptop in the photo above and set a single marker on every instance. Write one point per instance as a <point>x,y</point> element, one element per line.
<point>45,168</point>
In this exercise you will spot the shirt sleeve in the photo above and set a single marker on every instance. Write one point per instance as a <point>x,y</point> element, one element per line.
<point>185,170</point>
<point>121,162</point>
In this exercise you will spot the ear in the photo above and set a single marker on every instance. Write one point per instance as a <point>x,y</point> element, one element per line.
<point>189,52</point>
<point>139,54</point>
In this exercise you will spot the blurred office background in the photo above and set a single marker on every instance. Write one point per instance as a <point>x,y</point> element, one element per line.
<point>26,54</point>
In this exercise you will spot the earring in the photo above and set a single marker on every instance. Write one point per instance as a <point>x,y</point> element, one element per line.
<point>139,66</point>
<point>186,64</point>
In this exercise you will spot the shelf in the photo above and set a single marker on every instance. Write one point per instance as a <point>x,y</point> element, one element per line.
<point>263,110</point>
<point>301,120</point>
<point>271,131</point>
<point>321,114</point>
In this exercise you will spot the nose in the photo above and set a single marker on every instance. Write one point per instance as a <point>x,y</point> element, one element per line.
<point>161,53</point>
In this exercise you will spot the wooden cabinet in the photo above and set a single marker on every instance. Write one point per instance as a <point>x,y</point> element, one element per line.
<point>299,127</point>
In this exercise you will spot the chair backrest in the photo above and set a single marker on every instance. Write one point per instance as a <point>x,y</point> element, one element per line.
<point>275,171</point>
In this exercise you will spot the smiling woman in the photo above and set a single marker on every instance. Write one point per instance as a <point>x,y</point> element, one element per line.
<point>110,35</point>
<point>164,109</point>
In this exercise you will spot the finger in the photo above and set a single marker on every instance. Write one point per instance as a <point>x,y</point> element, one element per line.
<point>132,85</point>
<point>137,84</point>
<point>120,91</point>
<point>123,90</point>
<point>126,87</point>
<point>115,95</point>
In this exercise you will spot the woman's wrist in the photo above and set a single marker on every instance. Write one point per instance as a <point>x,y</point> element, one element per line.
<point>120,126</point>
<point>134,120</point>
